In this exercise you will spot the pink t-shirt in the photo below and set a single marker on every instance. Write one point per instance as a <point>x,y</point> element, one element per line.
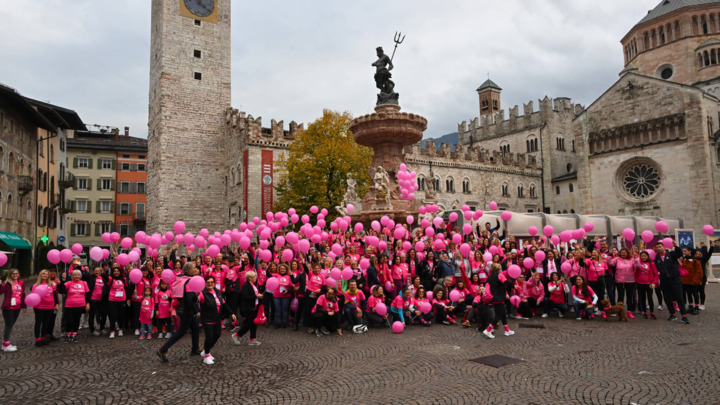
<point>147,307</point>
<point>283,291</point>
<point>399,302</point>
<point>48,301</point>
<point>117,290</point>
<point>326,304</point>
<point>354,299</point>
<point>17,292</point>
<point>76,293</point>
<point>97,290</point>
<point>164,300</point>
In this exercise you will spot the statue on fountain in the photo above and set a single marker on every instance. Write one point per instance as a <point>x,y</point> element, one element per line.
<point>383,66</point>
<point>350,196</point>
<point>381,185</point>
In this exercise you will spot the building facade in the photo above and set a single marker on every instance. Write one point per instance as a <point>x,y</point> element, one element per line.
<point>131,189</point>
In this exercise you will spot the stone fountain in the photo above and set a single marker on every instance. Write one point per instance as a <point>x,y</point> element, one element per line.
<point>388,131</point>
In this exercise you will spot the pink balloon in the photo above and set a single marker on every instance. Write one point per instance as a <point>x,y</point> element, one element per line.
<point>514,271</point>
<point>647,236</point>
<point>422,210</point>
<point>305,219</point>
<point>204,233</point>
<point>225,240</point>
<point>212,251</point>
<point>135,275</point>
<point>477,215</point>
<point>32,299</point>
<point>628,234</point>
<point>465,208</point>
<point>314,209</point>
<point>133,256</point>
<point>375,225</point>
<point>304,245</point>
<point>398,327</point>
<point>350,208</point>
<point>410,219</point>
<point>575,234</point>
<point>467,229</point>
<point>429,231</point>
<point>528,263</point>
<point>324,212</point>
<point>464,249</point>
<point>454,295</point>
<point>346,274</point>
<point>294,218</point>
<point>53,256</point>
<point>407,246</point>
<point>335,273</point>
<point>179,227</point>
<point>66,255</point>
<point>106,254</point>
<point>548,230</point>
<point>708,230</point>
<point>272,284</point>
<point>493,206</point>
<point>661,226</point>
<point>294,304</point>
<point>487,256</point>
<point>358,227</point>
<point>651,254</point>
<point>438,245</point>
<point>196,284</point>
<point>330,282</point>
<point>364,264</point>
<point>168,276</point>
<point>429,295</point>
<point>426,307</point>
<point>77,248</point>
<point>381,309</point>
<point>399,233</point>
<point>565,236</point>
<point>453,216</point>
<point>245,242</point>
<point>589,226</point>
<point>467,215</point>
<point>382,245</point>
<point>106,237</point>
<point>437,221</point>
<point>532,231</point>
<point>265,255</point>
<point>555,239</point>
<point>419,246</point>
<point>424,223</point>
<point>566,267</point>
<point>126,243</point>
<point>515,300</point>
<point>189,239</point>
<point>114,237</point>
<point>539,256</point>
<point>456,238</point>
<point>493,250</point>
<point>506,215</point>
<point>288,255</point>
<point>668,243</point>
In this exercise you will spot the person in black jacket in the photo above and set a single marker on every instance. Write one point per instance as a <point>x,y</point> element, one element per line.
<point>703,255</point>
<point>427,271</point>
<point>250,298</point>
<point>188,312</point>
<point>212,310</point>
<point>666,262</point>
<point>372,273</point>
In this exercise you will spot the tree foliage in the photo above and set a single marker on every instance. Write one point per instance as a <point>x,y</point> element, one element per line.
<point>314,172</point>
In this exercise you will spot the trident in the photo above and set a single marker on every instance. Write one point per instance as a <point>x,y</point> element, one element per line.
<point>399,38</point>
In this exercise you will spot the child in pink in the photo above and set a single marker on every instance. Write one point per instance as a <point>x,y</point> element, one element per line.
<point>163,310</point>
<point>147,308</point>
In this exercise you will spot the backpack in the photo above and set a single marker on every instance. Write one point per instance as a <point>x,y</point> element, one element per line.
<point>358,329</point>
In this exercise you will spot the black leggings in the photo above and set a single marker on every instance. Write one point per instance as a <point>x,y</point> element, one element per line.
<point>599,287</point>
<point>135,320</point>
<point>479,313</point>
<point>626,294</point>
<point>441,313</point>
<point>330,322</point>
<point>500,313</point>
<point>692,292</point>
<point>374,319</point>
<point>43,327</point>
<point>98,311</point>
<point>269,306</point>
<point>116,312</point>
<point>645,298</point>
<point>659,293</point>
<point>10,316</point>
<point>73,315</point>
<point>300,313</point>
<point>186,322</point>
<point>525,309</point>
<point>212,335</point>
<point>248,323</point>
<point>308,304</point>
<point>167,322</point>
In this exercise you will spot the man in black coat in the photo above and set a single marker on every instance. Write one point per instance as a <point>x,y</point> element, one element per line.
<point>666,262</point>
<point>189,313</point>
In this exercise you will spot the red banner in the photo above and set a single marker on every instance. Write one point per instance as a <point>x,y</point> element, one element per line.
<point>266,177</point>
<point>245,186</point>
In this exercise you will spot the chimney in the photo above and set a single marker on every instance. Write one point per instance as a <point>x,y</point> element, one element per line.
<point>116,132</point>
<point>127,131</point>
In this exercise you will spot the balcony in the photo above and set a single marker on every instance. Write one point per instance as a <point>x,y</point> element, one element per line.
<point>68,181</point>
<point>66,207</point>
<point>139,218</point>
<point>25,184</point>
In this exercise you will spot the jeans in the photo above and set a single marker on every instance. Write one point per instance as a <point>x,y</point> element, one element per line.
<point>581,307</point>
<point>351,315</point>
<point>145,329</point>
<point>282,309</point>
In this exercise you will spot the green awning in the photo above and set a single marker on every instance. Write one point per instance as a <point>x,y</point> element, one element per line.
<point>14,241</point>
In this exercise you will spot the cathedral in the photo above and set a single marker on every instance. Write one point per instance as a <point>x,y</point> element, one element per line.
<point>648,146</point>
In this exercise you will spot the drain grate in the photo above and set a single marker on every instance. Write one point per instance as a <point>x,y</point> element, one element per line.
<point>532,325</point>
<point>497,360</point>
<point>684,343</point>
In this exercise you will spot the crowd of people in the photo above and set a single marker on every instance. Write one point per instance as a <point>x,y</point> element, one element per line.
<point>354,280</point>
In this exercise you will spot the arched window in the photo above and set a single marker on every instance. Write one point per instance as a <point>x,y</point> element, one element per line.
<point>521,191</point>
<point>533,192</point>
<point>571,188</point>
<point>10,207</point>
<point>421,183</point>
<point>466,186</point>
<point>505,190</point>
<point>2,159</point>
<point>713,60</point>
<point>557,189</point>
<point>28,210</point>
<point>706,58</point>
<point>232,176</point>
<point>40,216</point>
<point>450,185</point>
<point>572,211</point>
<point>11,165</point>
<point>46,216</point>
<point>700,60</point>
<point>52,153</point>
<point>484,105</point>
<point>45,181</point>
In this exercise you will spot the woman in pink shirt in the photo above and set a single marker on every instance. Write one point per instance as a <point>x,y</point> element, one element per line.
<point>44,310</point>
<point>282,296</point>
<point>377,297</point>
<point>77,302</point>
<point>625,268</point>
<point>442,307</point>
<point>556,299</point>
<point>14,299</point>
<point>584,298</point>
<point>117,301</point>
<point>98,301</point>
<point>419,300</point>
<point>647,278</point>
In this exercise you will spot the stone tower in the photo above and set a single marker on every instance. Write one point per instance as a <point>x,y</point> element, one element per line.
<point>489,94</point>
<point>189,92</point>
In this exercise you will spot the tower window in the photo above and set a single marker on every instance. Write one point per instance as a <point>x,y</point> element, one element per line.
<point>197,22</point>
<point>197,76</point>
<point>197,53</point>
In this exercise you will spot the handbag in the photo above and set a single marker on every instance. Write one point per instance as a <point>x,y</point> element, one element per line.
<point>260,319</point>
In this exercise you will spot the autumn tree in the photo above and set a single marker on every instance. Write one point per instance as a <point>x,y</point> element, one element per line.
<point>314,171</point>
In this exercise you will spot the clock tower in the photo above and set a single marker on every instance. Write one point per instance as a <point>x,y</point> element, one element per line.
<point>189,92</point>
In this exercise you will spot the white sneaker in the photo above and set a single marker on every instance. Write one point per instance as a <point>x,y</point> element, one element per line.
<point>578,319</point>
<point>544,316</point>
<point>85,326</point>
<point>702,307</point>
<point>120,333</point>
<point>137,332</point>
<point>112,335</point>
<point>203,355</point>
<point>519,317</point>
<point>509,333</point>
<point>660,307</point>
<point>235,338</point>
<point>160,335</point>
<point>9,348</point>
<point>488,334</point>
<point>254,343</point>
<point>208,360</point>
<point>96,333</point>
<point>167,335</point>
<point>560,315</point>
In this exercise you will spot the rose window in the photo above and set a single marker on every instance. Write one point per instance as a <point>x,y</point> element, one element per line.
<point>641,181</point>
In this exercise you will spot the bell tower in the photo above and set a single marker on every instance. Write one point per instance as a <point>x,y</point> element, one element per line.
<point>189,92</point>
<point>489,94</point>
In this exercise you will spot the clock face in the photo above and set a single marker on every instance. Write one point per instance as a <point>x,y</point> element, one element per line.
<point>200,8</point>
<point>267,180</point>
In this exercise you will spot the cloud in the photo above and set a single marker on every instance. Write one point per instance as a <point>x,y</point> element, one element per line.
<point>292,59</point>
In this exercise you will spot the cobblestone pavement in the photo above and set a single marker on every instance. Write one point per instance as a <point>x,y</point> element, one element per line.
<point>567,362</point>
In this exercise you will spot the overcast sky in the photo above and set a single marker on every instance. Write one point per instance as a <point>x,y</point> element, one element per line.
<point>291,59</point>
